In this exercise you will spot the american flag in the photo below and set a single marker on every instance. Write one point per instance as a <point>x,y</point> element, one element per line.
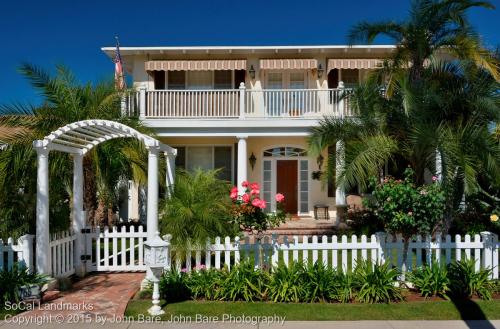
<point>119,75</point>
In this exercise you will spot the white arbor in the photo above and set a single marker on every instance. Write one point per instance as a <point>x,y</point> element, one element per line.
<point>77,139</point>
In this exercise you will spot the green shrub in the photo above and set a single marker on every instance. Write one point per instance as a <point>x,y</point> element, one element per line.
<point>286,284</point>
<point>242,282</point>
<point>431,280</point>
<point>11,280</point>
<point>318,281</point>
<point>376,283</point>
<point>466,282</point>
<point>204,284</point>
<point>343,287</point>
<point>174,286</point>
<point>198,209</point>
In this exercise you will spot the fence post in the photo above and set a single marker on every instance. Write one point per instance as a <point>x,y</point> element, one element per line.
<point>242,100</point>
<point>275,251</point>
<point>381,241</point>
<point>142,102</point>
<point>26,242</point>
<point>489,243</point>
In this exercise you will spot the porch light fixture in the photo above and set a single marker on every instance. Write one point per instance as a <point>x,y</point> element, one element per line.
<point>319,161</point>
<point>252,159</point>
<point>251,72</point>
<point>155,257</point>
<point>320,71</point>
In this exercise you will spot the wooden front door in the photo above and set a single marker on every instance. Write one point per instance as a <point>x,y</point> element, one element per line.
<point>286,173</point>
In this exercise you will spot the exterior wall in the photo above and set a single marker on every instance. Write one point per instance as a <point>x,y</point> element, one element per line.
<point>318,193</point>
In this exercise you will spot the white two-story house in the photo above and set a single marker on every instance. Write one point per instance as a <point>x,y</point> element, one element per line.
<point>249,110</point>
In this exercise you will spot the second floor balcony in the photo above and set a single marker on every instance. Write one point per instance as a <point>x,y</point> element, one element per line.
<point>238,103</point>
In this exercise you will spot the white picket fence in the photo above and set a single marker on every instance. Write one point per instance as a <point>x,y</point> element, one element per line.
<point>20,252</point>
<point>344,253</point>
<point>62,246</point>
<point>116,249</point>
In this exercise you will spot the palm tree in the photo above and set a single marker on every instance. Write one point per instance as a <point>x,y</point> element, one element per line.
<point>64,101</point>
<point>433,27</point>
<point>450,112</point>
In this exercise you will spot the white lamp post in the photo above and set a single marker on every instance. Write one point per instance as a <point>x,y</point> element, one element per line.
<point>156,257</point>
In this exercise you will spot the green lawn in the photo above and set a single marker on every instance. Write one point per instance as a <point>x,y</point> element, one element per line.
<point>428,310</point>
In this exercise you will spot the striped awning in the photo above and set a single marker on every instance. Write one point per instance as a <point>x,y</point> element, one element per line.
<point>197,65</point>
<point>363,63</point>
<point>288,64</point>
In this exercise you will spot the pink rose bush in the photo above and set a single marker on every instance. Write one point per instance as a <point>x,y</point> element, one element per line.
<point>249,209</point>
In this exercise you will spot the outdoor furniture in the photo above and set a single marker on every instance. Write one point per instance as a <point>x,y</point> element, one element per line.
<point>321,212</point>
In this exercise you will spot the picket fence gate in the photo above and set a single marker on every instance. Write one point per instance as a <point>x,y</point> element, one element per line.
<point>115,249</point>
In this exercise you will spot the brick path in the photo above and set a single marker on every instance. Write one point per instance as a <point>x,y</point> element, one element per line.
<point>108,293</point>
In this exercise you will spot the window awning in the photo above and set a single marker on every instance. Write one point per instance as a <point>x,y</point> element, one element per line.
<point>288,64</point>
<point>197,65</point>
<point>366,63</point>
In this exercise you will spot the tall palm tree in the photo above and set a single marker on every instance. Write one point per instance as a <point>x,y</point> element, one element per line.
<point>450,112</point>
<point>433,27</point>
<point>64,101</point>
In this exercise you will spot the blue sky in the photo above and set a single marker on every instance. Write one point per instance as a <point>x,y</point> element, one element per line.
<point>71,32</point>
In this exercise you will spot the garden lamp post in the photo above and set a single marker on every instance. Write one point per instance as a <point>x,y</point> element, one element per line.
<point>156,257</point>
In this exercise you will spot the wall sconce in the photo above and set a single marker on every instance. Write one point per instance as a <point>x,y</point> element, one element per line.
<point>252,159</point>
<point>319,161</point>
<point>320,71</point>
<point>251,72</point>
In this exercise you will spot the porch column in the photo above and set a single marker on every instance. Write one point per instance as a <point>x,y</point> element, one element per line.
<point>339,168</point>
<point>152,200</point>
<point>170,174</point>
<point>242,161</point>
<point>43,265</point>
<point>78,215</point>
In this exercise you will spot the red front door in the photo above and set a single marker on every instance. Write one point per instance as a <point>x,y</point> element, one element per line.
<point>286,172</point>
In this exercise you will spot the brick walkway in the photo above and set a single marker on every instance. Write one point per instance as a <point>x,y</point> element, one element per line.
<point>107,294</point>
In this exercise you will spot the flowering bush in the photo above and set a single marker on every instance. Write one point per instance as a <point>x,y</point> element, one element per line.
<point>248,210</point>
<point>408,209</point>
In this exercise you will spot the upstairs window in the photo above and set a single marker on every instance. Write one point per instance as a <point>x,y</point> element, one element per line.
<point>177,80</point>
<point>223,79</point>
<point>350,77</point>
<point>159,79</point>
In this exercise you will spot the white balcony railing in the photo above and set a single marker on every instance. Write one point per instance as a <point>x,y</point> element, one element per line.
<point>242,103</point>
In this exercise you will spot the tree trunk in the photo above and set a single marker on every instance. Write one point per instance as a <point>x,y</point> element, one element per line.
<point>101,215</point>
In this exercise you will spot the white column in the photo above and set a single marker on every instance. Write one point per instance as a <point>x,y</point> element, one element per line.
<point>43,265</point>
<point>152,200</point>
<point>339,168</point>
<point>78,215</point>
<point>170,174</point>
<point>242,161</point>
